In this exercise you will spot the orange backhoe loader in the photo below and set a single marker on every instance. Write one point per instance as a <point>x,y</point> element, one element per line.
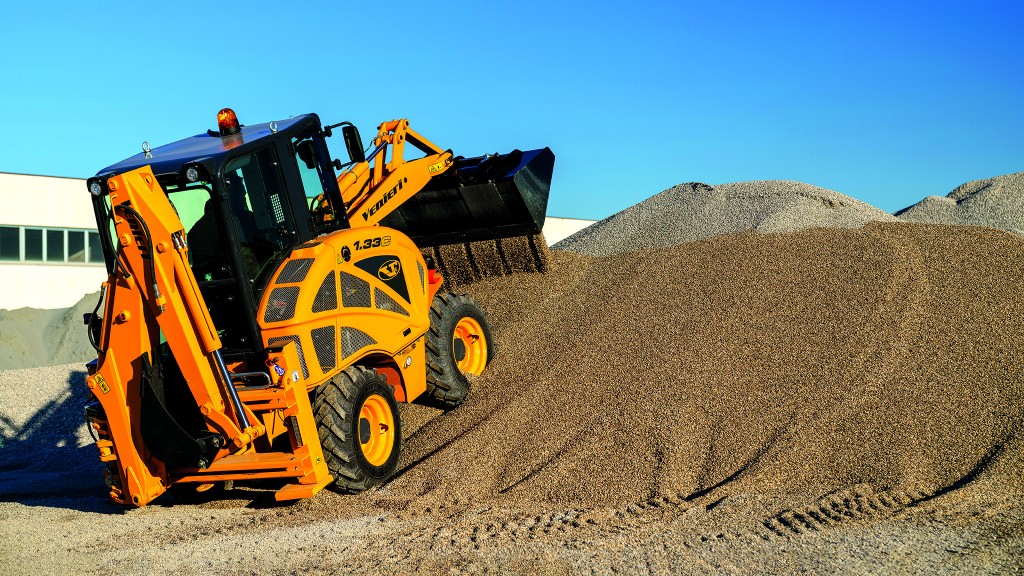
<point>263,315</point>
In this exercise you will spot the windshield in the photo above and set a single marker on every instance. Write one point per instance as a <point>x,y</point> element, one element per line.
<point>321,211</point>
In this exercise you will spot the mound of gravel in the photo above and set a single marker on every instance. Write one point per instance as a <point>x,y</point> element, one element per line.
<point>788,366</point>
<point>994,202</point>
<point>31,337</point>
<point>695,211</point>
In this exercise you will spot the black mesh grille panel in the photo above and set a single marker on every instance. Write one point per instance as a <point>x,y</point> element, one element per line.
<point>353,340</point>
<point>385,302</point>
<point>275,204</point>
<point>325,347</point>
<point>327,296</point>
<point>281,304</point>
<point>279,340</point>
<point>423,282</point>
<point>355,292</point>
<point>294,271</point>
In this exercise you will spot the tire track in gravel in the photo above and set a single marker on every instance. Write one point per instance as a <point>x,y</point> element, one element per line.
<point>859,503</point>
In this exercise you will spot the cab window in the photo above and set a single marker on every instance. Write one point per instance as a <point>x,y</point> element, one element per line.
<point>321,210</point>
<point>194,207</point>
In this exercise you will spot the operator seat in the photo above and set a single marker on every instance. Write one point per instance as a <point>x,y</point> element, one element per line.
<point>206,245</point>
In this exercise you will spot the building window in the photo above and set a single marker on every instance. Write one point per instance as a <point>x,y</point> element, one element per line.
<point>10,243</point>
<point>33,245</point>
<point>54,245</point>
<point>95,250</point>
<point>50,245</point>
<point>76,246</point>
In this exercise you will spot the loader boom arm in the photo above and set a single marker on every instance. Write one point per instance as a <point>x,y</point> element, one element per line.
<point>374,188</point>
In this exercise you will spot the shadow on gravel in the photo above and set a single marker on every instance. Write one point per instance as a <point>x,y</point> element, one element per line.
<point>42,463</point>
<point>984,463</point>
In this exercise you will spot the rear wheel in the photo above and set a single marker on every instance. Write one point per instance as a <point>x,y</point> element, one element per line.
<point>360,432</point>
<point>458,343</point>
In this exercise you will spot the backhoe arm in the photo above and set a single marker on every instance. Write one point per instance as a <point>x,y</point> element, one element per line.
<point>153,293</point>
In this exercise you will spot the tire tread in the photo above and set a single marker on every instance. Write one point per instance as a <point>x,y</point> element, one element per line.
<point>447,387</point>
<point>333,408</point>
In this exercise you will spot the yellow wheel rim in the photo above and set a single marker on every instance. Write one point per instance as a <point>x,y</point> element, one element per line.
<point>469,346</point>
<point>376,430</point>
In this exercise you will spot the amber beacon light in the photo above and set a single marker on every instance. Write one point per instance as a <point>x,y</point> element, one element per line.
<point>227,122</point>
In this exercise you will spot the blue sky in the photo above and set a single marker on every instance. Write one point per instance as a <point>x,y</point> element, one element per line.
<point>884,101</point>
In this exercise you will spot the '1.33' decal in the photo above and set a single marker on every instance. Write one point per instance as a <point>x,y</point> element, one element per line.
<point>372,243</point>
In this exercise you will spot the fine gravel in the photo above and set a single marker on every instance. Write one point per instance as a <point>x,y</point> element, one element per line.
<point>826,401</point>
<point>694,211</point>
<point>30,337</point>
<point>994,202</point>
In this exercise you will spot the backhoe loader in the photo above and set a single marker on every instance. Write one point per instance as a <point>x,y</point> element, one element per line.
<point>266,306</point>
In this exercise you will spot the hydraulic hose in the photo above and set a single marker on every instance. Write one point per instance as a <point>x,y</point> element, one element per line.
<point>105,239</point>
<point>149,245</point>
<point>92,318</point>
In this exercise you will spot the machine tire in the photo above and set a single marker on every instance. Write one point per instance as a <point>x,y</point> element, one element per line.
<point>458,343</point>
<point>344,407</point>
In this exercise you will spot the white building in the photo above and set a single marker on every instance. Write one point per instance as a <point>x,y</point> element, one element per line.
<point>50,254</point>
<point>556,229</point>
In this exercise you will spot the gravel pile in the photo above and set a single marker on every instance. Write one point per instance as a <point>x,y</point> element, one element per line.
<point>30,337</point>
<point>788,365</point>
<point>695,211</point>
<point>994,202</point>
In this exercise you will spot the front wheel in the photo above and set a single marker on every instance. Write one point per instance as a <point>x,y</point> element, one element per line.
<point>360,431</point>
<point>458,343</point>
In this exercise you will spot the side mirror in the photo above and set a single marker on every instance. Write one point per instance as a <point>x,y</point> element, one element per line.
<point>353,143</point>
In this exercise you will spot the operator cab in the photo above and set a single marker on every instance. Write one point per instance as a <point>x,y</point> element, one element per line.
<point>246,195</point>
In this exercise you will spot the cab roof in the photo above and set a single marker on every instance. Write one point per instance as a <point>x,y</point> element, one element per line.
<point>207,148</point>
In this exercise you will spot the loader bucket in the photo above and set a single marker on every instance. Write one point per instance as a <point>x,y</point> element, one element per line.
<point>483,216</point>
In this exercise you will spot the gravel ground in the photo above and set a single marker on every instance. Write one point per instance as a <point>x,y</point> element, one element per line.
<point>695,211</point>
<point>827,401</point>
<point>993,202</point>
